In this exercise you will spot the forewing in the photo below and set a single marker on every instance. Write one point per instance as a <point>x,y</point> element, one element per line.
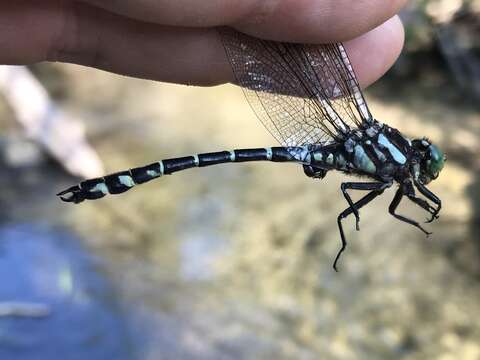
<point>303,94</point>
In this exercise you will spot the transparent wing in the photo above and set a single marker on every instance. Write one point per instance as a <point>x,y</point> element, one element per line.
<point>303,94</point>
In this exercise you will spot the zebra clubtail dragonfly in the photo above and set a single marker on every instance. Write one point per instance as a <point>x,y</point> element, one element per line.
<point>309,99</point>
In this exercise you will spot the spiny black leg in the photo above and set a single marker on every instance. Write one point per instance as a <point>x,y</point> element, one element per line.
<point>432,197</point>
<point>360,186</point>
<point>356,206</point>
<point>424,205</point>
<point>393,206</point>
<point>409,191</point>
<point>314,172</point>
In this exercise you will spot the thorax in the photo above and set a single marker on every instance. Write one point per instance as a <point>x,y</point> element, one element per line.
<point>380,152</point>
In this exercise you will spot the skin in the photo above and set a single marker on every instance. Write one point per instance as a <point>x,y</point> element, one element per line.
<point>174,40</point>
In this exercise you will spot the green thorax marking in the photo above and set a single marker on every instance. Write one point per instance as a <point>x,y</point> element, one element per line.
<point>392,149</point>
<point>331,159</point>
<point>362,161</point>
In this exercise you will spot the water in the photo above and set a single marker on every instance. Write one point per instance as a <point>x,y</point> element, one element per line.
<point>65,308</point>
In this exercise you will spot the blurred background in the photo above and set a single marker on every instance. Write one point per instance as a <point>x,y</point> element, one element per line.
<point>235,261</point>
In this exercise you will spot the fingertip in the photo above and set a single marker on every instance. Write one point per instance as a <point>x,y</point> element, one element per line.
<point>316,21</point>
<point>373,53</point>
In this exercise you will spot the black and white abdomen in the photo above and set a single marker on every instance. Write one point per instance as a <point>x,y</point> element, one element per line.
<point>122,181</point>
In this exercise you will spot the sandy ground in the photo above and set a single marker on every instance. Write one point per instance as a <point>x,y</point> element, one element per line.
<point>235,260</point>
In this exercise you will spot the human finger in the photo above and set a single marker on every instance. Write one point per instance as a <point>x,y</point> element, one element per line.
<point>196,56</point>
<point>88,36</point>
<point>312,21</point>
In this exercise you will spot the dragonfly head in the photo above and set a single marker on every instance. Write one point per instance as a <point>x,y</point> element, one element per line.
<point>432,160</point>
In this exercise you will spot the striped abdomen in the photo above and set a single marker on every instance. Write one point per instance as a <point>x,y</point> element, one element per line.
<point>124,180</point>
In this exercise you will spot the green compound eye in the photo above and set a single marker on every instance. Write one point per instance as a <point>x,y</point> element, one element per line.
<point>436,161</point>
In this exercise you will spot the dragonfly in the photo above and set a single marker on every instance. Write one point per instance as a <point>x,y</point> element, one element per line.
<point>308,97</point>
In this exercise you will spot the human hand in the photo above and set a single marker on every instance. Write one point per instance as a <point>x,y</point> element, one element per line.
<point>175,40</point>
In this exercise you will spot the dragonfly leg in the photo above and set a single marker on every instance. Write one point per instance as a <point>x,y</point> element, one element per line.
<point>354,206</point>
<point>425,205</point>
<point>432,197</point>
<point>360,186</point>
<point>409,191</point>
<point>393,207</point>
<point>314,172</point>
